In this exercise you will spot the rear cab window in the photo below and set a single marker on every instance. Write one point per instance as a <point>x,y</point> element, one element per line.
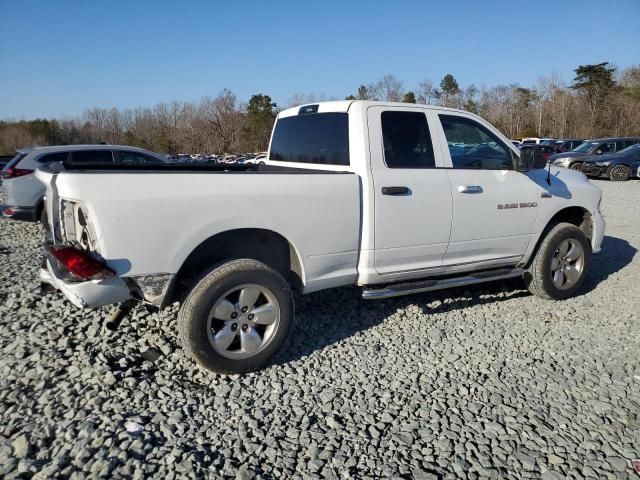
<point>315,138</point>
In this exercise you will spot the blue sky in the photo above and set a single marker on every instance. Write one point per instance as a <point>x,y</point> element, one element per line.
<point>59,57</point>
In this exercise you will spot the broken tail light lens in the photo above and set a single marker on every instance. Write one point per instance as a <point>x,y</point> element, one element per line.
<point>79,264</point>
<point>15,172</point>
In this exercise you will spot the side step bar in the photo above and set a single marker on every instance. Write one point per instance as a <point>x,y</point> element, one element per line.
<point>409,288</point>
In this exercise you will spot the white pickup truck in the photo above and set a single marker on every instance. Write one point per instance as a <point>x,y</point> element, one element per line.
<point>395,198</point>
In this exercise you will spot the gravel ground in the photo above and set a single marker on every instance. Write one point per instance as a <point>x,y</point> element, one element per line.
<point>484,382</point>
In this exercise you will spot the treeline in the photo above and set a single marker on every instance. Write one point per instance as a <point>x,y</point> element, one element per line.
<point>601,100</point>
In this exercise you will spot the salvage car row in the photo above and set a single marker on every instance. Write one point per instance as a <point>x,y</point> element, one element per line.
<point>615,158</point>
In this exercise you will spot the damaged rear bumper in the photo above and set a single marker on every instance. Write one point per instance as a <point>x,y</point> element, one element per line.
<point>152,289</point>
<point>90,294</point>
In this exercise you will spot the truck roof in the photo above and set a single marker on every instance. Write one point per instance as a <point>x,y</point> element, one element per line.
<point>344,105</point>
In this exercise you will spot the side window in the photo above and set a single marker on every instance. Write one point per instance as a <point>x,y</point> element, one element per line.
<point>407,142</point>
<point>624,144</point>
<point>135,158</point>
<point>607,147</point>
<point>94,157</point>
<point>473,146</point>
<point>54,157</point>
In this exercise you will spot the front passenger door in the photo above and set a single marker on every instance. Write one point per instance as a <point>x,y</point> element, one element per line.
<point>494,206</point>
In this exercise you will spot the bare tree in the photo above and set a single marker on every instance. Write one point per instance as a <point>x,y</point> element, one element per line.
<point>388,88</point>
<point>427,92</point>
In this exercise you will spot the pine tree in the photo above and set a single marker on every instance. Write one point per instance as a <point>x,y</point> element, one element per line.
<point>409,97</point>
<point>449,88</point>
<point>259,121</point>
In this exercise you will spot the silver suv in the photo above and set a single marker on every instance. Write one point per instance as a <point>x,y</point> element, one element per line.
<point>24,193</point>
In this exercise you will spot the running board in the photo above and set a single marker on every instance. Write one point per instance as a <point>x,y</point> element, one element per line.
<point>409,288</point>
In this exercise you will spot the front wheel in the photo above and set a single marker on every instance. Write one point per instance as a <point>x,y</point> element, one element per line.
<point>620,173</point>
<point>576,166</point>
<point>236,317</point>
<point>561,263</point>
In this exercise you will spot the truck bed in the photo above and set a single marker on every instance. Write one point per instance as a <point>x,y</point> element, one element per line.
<point>148,219</point>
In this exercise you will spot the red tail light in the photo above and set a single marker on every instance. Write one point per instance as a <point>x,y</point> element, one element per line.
<point>79,264</point>
<point>15,172</point>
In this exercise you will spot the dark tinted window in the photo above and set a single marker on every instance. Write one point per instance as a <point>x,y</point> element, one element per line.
<point>407,142</point>
<point>607,147</point>
<point>54,157</point>
<point>473,146</point>
<point>136,158</point>
<point>95,157</point>
<point>620,144</point>
<point>312,138</point>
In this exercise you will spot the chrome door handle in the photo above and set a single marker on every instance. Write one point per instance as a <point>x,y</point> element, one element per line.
<point>470,189</point>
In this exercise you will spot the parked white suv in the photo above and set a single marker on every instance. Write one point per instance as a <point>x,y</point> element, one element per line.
<point>24,193</point>
<point>392,197</point>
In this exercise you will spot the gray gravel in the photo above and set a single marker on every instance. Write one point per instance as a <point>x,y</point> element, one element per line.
<point>484,382</point>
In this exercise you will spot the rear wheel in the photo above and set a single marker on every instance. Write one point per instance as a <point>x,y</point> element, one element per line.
<point>576,166</point>
<point>619,173</point>
<point>560,266</point>
<point>236,317</point>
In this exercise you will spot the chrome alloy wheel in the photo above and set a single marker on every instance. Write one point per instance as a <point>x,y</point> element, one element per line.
<point>567,264</point>
<point>243,321</point>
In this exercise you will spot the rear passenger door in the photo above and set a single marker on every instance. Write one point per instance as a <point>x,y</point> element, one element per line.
<point>494,206</point>
<point>412,197</point>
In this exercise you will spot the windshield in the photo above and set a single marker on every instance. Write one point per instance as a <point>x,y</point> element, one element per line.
<point>631,149</point>
<point>586,147</point>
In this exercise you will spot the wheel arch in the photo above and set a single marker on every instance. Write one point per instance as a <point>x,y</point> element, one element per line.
<point>575,215</point>
<point>260,244</point>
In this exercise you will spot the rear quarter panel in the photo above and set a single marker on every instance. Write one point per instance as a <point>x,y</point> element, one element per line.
<point>150,222</point>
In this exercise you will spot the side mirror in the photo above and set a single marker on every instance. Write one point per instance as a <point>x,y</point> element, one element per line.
<point>598,152</point>
<point>530,159</point>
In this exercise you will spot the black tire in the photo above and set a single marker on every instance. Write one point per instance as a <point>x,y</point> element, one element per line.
<point>538,276</point>
<point>576,166</point>
<point>619,173</point>
<point>194,314</point>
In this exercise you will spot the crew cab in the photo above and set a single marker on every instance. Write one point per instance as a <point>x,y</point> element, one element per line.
<point>395,198</point>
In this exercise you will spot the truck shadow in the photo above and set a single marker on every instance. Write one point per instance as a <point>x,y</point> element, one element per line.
<point>331,316</point>
<point>615,255</point>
